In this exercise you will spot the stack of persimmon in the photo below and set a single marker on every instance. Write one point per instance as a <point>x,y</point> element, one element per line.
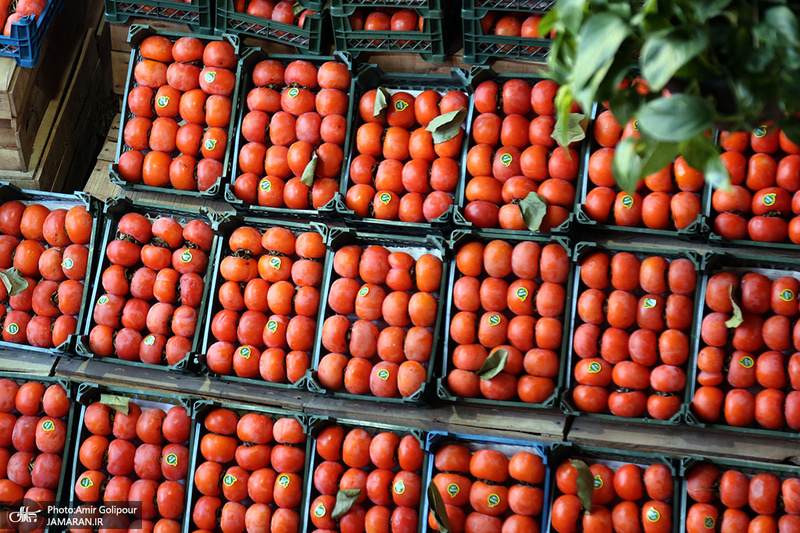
<point>512,297</point>
<point>665,200</point>
<point>295,113</point>
<point>386,467</point>
<point>505,24</point>
<point>48,250</point>
<point>514,154</point>
<point>139,456</point>
<point>33,436</point>
<point>152,289</point>
<point>282,11</point>
<point>250,473</point>
<point>632,336</point>
<point>270,298</point>
<point>397,171</point>
<point>627,497</point>
<point>748,373</point>
<point>385,19</point>
<point>23,8</point>
<point>485,491</point>
<point>177,135</point>
<point>763,204</point>
<point>378,338</point>
<point>734,500</point>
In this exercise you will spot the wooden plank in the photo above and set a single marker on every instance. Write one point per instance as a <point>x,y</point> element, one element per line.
<point>27,362</point>
<point>119,70</point>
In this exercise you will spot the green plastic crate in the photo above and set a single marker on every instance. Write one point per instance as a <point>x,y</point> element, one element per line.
<point>197,14</point>
<point>480,48</point>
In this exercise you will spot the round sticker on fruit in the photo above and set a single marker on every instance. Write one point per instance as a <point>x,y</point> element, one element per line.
<point>453,490</point>
<point>385,198</point>
<point>786,295</point>
<point>68,263</point>
<point>13,328</point>
<point>86,483</point>
<point>493,500</point>
<point>149,340</point>
<point>228,480</point>
<point>494,320</point>
<point>760,131</point>
<point>400,105</point>
<point>746,361</point>
<point>163,101</point>
<point>522,294</point>
<point>48,425</point>
<point>210,144</point>
<point>266,185</point>
<point>709,522</point>
<point>363,291</point>
<point>506,159</point>
<point>284,480</point>
<point>172,459</point>
<point>102,300</point>
<point>319,510</point>
<point>598,482</point>
<point>594,367</point>
<point>244,351</point>
<point>769,199</point>
<point>383,374</point>
<point>649,303</point>
<point>653,515</point>
<point>210,76</point>
<point>186,256</point>
<point>627,201</point>
<point>399,487</point>
<point>272,326</point>
<point>275,262</point>
<point>293,92</point>
<point>635,125</point>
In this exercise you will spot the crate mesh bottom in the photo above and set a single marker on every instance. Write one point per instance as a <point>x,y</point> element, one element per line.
<point>290,38</point>
<point>395,45</point>
<point>528,5</point>
<point>515,50</point>
<point>188,17</point>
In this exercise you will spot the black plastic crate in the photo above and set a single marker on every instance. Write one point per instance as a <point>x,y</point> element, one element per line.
<point>690,233</point>
<point>438,439</point>
<point>739,264</point>
<point>590,455</point>
<point>224,228</point>
<point>461,237</point>
<point>373,429</point>
<point>307,38</point>
<point>415,246</point>
<point>138,33</point>
<point>25,42</point>
<point>584,249</point>
<point>200,410</point>
<point>371,77</point>
<point>478,75</point>
<point>70,419</point>
<point>197,14</point>
<point>119,399</point>
<point>481,47</point>
<point>115,209</point>
<point>250,58</point>
<point>431,42</point>
<point>52,201</point>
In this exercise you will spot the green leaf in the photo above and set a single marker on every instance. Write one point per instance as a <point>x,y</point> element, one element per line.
<point>382,98</point>
<point>533,208</point>
<point>664,53</point>
<point>783,21</point>
<point>657,155</point>
<point>571,13</point>
<point>576,129</point>
<point>563,104</point>
<point>13,281</point>
<point>736,318</point>
<point>587,94</point>
<point>438,508</point>
<point>716,173</point>
<point>599,40</point>
<point>627,165</point>
<point>624,104</point>
<point>345,499</point>
<point>585,484</point>
<point>308,173</point>
<point>445,127</point>
<point>676,118</point>
<point>494,364</point>
<point>697,151</point>
<point>118,403</point>
<point>792,131</point>
<point>709,8</point>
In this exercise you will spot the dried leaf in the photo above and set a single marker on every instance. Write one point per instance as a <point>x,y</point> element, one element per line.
<point>494,364</point>
<point>585,484</point>
<point>117,403</point>
<point>382,98</point>
<point>308,174</point>
<point>345,499</point>
<point>438,508</point>
<point>445,127</point>
<point>533,209</point>
<point>575,129</point>
<point>736,318</point>
<point>297,8</point>
<point>13,281</point>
